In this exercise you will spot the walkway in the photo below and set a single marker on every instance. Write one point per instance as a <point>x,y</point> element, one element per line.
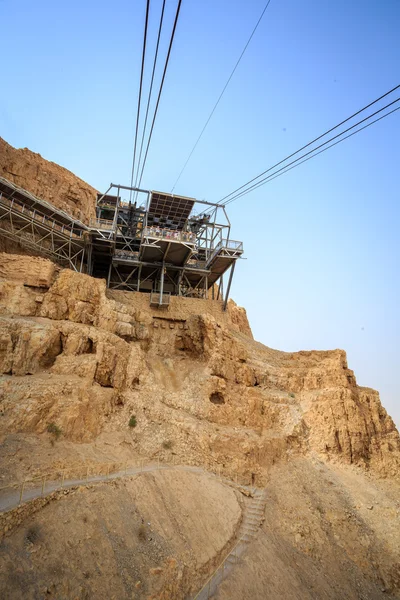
<point>253,513</point>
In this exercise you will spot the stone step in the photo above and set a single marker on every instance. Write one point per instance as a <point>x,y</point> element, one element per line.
<point>232,559</point>
<point>245,540</point>
<point>247,537</point>
<point>253,517</point>
<point>255,524</point>
<point>252,532</point>
<point>251,525</point>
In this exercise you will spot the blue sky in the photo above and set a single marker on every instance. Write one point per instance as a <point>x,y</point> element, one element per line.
<point>321,242</point>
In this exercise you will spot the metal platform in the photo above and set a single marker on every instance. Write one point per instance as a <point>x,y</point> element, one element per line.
<point>160,246</point>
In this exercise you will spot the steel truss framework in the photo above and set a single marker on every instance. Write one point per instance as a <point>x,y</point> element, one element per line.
<point>128,275</point>
<point>34,224</point>
<point>185,258</point>
<point>183,254</point>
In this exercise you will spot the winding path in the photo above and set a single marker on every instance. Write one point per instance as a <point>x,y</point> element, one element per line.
<point>12,498</point>
<point>252,518</point>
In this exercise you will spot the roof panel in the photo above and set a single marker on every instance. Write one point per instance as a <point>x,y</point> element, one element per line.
<point>168,206</point>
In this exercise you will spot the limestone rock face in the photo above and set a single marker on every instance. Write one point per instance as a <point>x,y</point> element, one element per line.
<point>186,375</point>
<point>351,423</point>
<point>239,317</point>
<point>47,180</point>
<point>84,360</point>
<point>31,271</point>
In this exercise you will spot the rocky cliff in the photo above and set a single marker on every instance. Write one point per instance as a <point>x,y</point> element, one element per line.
<point>202,392</point>
<point>72,353</point>
<point>48,181</point>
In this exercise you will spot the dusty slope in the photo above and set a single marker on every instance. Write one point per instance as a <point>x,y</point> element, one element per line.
<point>202,389</point>
<point>131,538</point>
<point>206,393</point>
<point>329,532</point>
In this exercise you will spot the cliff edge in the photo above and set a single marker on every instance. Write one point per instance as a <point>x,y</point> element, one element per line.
<point>118,380</point>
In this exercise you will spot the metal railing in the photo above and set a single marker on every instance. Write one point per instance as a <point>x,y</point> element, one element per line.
<point>234,245</point>
<point>232,558</point>
<point>37,486</point>
<point>41,485</point>
<point>126,254</point>
<point>192,263</point>
<point>40,218</point>
<point>101,224</point>
<point>73,474</point>
<point>170,234</point>
<point>231,244</point>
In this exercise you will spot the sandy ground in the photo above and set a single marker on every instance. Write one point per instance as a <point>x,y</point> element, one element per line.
<point>129,538</point>
<point>329,532</point>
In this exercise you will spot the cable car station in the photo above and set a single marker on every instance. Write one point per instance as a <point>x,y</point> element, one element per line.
<point>140,240</point>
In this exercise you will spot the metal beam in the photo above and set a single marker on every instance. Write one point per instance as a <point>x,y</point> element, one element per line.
<point>229,285</point>
<point>126,187</point>
<point>161,284</point>
<point>138,279</point>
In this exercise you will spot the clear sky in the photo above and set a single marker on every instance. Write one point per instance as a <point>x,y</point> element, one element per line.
<point>321,242</point>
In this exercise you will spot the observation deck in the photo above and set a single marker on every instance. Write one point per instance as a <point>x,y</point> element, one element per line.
<point>152,242</point>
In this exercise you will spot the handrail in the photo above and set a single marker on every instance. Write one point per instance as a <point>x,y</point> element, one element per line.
<point>86,473</point>
<point>233,552</point>
<point>226,244</point>
<point>101,223</point>
<point>170,234</point>
<point>129,254</point>
<point>16,204</point>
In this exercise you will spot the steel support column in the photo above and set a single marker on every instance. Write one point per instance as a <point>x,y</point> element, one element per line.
<point>138,279</point>
<point>161,284</point>
<point>229,285</point>
<point>109,275</point>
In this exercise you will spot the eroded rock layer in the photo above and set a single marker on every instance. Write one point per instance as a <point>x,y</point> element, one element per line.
<point>73,354</point>
<point>47,181</point>
<point>87,362</point>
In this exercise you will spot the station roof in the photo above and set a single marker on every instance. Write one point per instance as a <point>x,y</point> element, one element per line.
<point>174,208</point>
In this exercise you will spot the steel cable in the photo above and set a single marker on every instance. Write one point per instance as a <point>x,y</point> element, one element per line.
<point>310,143</point>
<point>220,96</point>
<point>140,87</point>
<point>161,88</point>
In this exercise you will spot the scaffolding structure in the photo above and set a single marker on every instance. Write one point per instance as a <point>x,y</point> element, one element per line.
<point>159,243</point>
<point>39,226</point>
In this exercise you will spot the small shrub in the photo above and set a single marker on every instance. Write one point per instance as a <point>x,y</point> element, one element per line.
<point>142,535</point>
<point>54,430</point>
<point>292,395</point>
<point>132,421</point>
<point>33,534</point>
<point>167,445</point>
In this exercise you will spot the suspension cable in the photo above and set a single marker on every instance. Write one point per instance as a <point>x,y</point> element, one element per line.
<point>310,143</point>
<point>160,90</point>
<point>140,88</point>
<point>277,174</point>
<point>150,91</point>
<point>220,96</point>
